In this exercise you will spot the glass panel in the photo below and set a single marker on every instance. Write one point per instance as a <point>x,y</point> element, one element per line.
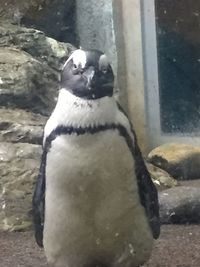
<point>178,40</point>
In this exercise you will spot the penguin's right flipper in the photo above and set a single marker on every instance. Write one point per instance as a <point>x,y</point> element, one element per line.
<point>39,202</point>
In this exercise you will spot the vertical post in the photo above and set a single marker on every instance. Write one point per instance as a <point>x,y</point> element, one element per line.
<point>133,53</point>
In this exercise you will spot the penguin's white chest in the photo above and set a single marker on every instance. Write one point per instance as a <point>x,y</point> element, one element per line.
<point>92,208</point>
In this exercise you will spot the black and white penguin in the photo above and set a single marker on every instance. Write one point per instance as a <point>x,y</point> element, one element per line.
<point>94,203</point>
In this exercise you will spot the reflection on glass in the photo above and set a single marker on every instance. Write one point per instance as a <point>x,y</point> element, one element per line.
<point>178,40</point>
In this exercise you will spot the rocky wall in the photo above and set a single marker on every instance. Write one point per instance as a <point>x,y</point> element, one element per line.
<point>30,63</point>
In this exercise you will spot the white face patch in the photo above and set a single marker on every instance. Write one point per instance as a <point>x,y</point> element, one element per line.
<point>78,57</point>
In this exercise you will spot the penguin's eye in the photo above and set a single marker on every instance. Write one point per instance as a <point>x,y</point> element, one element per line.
<point>75,66</point>
<point>75,69</point>
<point>104,70</point>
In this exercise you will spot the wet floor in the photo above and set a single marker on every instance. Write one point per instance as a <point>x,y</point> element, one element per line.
<point>178,246</point>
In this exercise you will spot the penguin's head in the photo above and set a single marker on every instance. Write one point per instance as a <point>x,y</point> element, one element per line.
<point>88,74</point>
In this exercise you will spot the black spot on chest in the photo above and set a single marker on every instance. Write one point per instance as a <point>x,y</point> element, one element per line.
<point>81,105</point>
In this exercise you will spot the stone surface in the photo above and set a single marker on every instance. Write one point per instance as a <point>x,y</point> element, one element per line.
<point>180,160</point>
<point>21,126</point>
<point>30,64</point>
<point>54,17</point>
<point>19,164</point>
<point>193,183</point>
<point>36,43</point>
<point>15,9</point>
<point>25,82</point>
<point>161,178</point>
<point>180,205</point>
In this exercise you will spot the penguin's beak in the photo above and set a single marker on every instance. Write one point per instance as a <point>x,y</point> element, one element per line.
<point>89,74</point>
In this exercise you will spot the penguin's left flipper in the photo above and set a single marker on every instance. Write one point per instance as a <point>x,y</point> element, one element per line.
<point>39,202</point>
<point>147,190</point>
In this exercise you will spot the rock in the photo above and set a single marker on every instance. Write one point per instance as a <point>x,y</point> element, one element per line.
<point>21,126</point>
<point>161,178</point>
<point>193,183</point>
<point>26,82</point>
<point>55,17</point>
<point>180,205</point>
<point>14,10</point>
<point>181,161</point>
<point>30,65</point>
<point>19,164</point>
<point>34,42</point>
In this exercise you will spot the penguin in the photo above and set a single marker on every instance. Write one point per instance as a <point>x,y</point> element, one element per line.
<point>94,203</point>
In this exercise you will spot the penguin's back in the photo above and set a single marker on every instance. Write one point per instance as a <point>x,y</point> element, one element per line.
<point>93,214</point>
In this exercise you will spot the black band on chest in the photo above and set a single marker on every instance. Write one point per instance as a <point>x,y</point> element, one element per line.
<point>69,130</point>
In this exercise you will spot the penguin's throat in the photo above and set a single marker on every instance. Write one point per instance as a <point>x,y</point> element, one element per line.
<point>77,112</point>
